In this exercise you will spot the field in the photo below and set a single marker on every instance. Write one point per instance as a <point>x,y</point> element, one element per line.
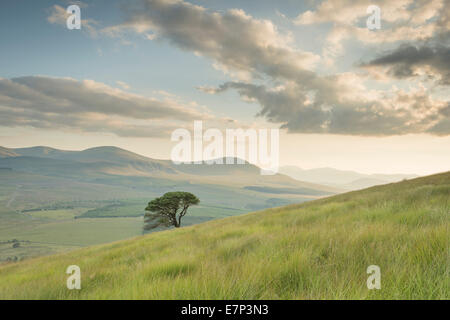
<point>315,250</point>
<point>49,231</point>
<point>50,214</point>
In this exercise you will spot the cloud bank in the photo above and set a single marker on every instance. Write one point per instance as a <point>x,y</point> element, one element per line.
<point>350,112</point>
<point>65,103</point>
<point>270,70</point>
<point>304,101</point>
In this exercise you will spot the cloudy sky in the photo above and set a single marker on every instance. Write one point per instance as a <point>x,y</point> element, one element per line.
<point>343,96</point>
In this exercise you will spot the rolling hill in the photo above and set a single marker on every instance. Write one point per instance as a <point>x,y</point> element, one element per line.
<point>315,250</point>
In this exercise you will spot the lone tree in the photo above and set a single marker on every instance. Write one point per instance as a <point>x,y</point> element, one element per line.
<point>168,210</point>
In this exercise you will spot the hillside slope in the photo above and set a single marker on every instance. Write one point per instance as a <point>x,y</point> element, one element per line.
<point>315,250</point>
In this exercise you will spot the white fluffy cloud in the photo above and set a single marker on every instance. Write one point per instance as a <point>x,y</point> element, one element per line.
<point>235,41</point>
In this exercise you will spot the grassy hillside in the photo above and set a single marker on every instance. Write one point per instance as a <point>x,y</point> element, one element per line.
<point>315,250</point>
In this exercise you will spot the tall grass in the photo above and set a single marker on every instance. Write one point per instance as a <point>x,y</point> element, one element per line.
<point>315,250</point>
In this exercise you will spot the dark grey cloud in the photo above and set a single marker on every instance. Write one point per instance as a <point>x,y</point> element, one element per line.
<point>442,127</point>
<point>446,111</point>
<point>410,60</point>
<point>54,103</point>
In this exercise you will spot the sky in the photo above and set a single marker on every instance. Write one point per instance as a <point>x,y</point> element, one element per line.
<point>342,95</point>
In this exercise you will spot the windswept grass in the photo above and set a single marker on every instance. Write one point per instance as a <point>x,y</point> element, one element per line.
<point>315,250</point>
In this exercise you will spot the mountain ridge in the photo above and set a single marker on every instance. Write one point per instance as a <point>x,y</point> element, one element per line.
<point>118,161</point>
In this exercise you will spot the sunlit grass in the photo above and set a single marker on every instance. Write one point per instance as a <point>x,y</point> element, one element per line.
<point>315,250</point>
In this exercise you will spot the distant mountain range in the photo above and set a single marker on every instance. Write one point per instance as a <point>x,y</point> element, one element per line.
<point>109,171</point>
<point>348,180</point>
<point>102,161</point>
<point>106,161</point>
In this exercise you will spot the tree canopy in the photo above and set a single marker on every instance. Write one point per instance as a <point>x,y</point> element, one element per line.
<point>168,210</point>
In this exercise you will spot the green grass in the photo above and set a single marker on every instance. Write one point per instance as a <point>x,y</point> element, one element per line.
<point>30,249</point>
<point>80,232</point>
<point>136,208</point>
<point>56,230</point>
<point>52,231</point>
<point>315,250</point>
<point>58,214</point>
